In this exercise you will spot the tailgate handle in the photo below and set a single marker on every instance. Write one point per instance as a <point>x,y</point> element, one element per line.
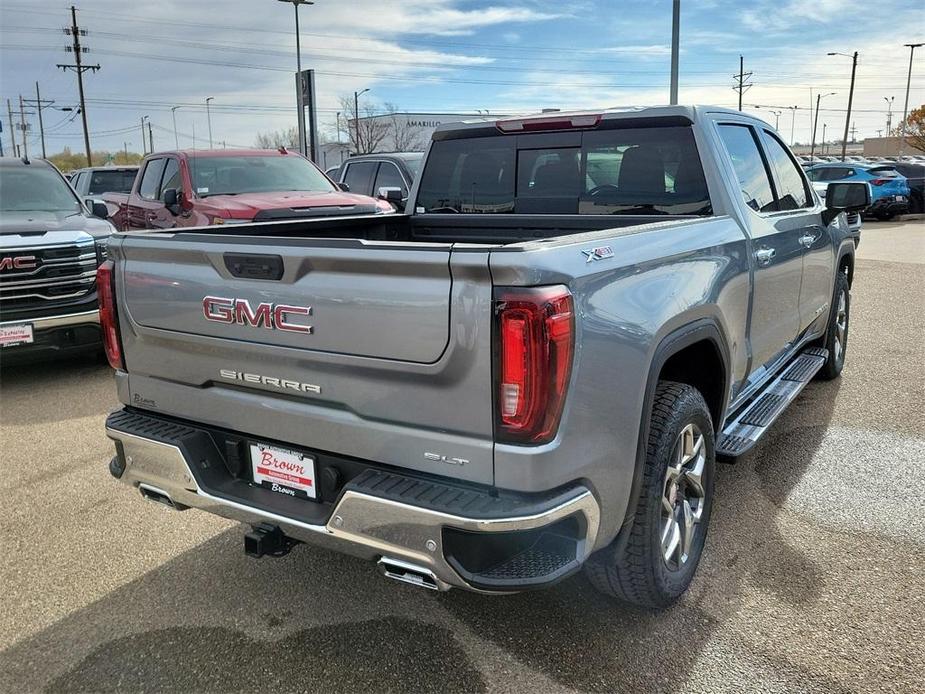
<point>254,267</point>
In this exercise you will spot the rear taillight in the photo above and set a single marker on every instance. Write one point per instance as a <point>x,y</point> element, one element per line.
<point>879,181</point>
<point>536,337</point>
<point>109,320</point>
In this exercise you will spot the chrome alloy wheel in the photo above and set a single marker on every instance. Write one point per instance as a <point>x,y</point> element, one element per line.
<point>683,498</point>
<point>841,327</point>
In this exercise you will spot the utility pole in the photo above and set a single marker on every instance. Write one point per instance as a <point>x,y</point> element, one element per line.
<point>824,126</point>
<point>742,78</point>
<point>40,104</point>
<point>854,132</point>
<point>150,137</point>
<point>125,149</point>
<point>854,66</point>
<point>902,142</point>
<point>209,119</point>
<point>812,146</point>
<point>144,150</point>
<point>22,126</point>
<point>356,117</point>
<point>76,32</point>
<point>9,110</point>
<point>675,47</point>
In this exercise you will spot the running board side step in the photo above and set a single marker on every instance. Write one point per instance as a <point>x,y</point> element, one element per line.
<point>751,423</point>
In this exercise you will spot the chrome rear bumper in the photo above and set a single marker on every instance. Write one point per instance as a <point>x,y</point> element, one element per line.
<point>361,524</point>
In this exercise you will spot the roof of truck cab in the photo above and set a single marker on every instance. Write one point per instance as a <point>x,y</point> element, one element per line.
<point>689,113</point>
<point>218,153</point>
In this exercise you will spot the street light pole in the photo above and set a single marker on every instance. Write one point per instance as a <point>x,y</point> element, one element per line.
<point>793,121</point>
<point>298,61</point>
<point>675,47</point>
<point>854,67</point>
<point>176,138</point>
<point>824,126</point>
<point>356,116</point>
<point>902,142</point>
<point>209,119</point>
<point>777,119</point>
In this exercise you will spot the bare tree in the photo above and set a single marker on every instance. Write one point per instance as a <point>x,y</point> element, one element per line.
<point>368,131</point>
<point>288,138</point>
<point>405,136</point>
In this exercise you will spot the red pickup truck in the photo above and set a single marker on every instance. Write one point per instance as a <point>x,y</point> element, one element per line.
<point>192,188</point>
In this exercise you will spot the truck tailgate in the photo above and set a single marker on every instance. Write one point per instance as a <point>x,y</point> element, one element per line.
<point>378,351</point>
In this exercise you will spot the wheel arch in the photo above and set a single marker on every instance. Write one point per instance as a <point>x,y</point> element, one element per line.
<point>846,264</point>
<point>679,349</point>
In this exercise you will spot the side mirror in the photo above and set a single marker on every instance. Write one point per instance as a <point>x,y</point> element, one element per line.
<point>390,194</point>
<point>99,209</point>
<point>344,187</point>
<point>845,197</point>
<point>172,201</point>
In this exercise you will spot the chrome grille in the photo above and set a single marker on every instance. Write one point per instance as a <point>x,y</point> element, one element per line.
<point>63,271</point>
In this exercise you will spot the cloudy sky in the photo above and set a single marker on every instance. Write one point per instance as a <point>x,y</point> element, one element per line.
<point>447,56</point>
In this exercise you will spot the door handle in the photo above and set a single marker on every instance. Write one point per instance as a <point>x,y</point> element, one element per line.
<point>807,240</point>
<point>764,256</point>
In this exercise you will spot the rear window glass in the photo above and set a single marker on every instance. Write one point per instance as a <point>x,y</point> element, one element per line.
<point>645,171</point>
<point>111,182</point>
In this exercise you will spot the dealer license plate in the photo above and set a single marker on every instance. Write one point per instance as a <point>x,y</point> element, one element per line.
<point>284,471</point>
<point>12,335</point>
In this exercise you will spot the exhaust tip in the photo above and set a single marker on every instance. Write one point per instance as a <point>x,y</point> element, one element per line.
<point>158,496</point>
<point>406,572</point>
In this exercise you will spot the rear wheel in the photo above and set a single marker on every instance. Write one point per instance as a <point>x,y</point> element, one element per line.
<point>654,564</point>
<point>836,337</point>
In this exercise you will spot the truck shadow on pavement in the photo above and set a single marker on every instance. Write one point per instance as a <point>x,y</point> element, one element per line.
<point>212,619</point>
<point>584,640</point>
<point>80,384</point>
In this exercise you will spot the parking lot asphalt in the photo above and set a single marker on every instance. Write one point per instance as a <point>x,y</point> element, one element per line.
<point>813,579</point>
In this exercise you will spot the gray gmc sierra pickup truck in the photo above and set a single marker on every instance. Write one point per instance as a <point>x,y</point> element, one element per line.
<point>51,243</point>
<point>531,371</point>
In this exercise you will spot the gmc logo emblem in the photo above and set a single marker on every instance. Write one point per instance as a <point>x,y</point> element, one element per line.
<point>19,262</point>
<point>270,316</point>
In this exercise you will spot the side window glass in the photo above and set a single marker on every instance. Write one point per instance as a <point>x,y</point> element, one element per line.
<point>151,179</point>
<point>791,191</point>
<point>389,177</point>
<point>749,167</point>
<point>359,176</point>
<point>171,177</point>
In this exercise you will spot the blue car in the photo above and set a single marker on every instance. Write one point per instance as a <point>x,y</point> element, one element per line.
<point>889,190</point>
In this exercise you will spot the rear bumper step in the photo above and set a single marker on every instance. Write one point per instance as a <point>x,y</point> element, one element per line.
<point>750,424</point>
<point>423,532</point>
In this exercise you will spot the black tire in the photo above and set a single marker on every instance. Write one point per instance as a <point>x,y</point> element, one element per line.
<point>634,568</point>
<point>836,341</point>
